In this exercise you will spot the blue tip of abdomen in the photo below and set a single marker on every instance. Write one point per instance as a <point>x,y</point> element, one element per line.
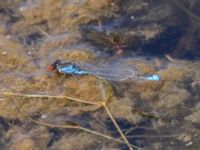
<point>152,77</point>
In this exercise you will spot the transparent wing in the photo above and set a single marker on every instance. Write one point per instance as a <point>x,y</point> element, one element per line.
<point>115,71</point>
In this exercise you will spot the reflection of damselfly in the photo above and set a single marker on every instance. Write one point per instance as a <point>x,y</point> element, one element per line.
<point>114,71</point>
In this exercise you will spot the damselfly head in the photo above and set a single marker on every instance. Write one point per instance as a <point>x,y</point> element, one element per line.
<point>53,66</point>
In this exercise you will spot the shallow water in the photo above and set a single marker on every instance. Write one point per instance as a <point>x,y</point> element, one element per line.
<point>45,110</point>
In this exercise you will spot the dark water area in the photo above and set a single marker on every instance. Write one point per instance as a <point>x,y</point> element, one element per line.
<point>176,38</point>
<point>114,105</point>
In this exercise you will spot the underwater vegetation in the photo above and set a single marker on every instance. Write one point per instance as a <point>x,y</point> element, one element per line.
<point>105,97</point>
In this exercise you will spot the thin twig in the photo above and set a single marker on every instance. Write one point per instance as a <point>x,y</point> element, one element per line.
<point>118,128</point>
<point>83,129</point>
<point>44,32</point>
<point>194,17</point>
<point>50,96</point>
<point>153,136</point>
<point>77,127</point>
<point>170,58</point>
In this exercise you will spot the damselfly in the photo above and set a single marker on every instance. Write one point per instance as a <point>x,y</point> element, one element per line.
<point>115,71</point>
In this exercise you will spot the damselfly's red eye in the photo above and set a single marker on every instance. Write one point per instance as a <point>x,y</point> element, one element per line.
<point>51,68</point>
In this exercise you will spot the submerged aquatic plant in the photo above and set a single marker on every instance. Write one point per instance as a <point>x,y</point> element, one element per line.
<point>131,114</point>
<point>99,104</point>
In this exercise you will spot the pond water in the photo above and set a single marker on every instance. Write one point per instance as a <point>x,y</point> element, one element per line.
<point>112,106</point>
